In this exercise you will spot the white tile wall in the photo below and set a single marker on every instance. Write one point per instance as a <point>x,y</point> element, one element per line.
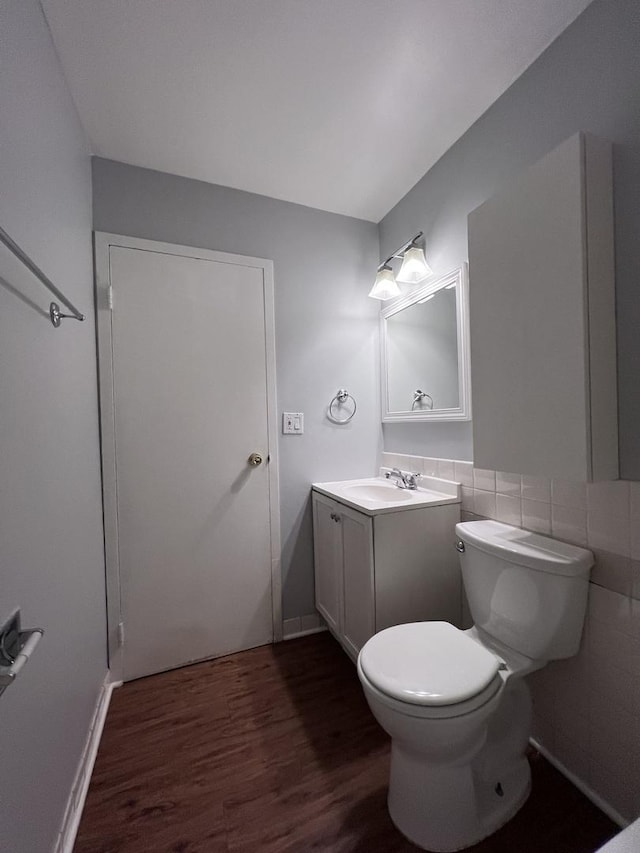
<point>300,626</point>
<point>468,502</point>
<point>446,469</point>
<point>587,708</point>
<point>483,479</point>
<point>509,484</point>
<point>569,493</point>
<point>608,516</point>
<point>484,503</point>
<point>536,515</point>
<point>464,474</point>
<point>509,509</point>
<point>569,523</point>
<point>536,488</point>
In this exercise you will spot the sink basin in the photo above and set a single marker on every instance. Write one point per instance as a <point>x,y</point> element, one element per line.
<point>378,492</point>
<point>376,495</point>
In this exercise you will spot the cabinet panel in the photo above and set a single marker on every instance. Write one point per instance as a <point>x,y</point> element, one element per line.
<point>542,319</point>
<point>358,595</point>
<point>327,547</point>
<point>417,570</point>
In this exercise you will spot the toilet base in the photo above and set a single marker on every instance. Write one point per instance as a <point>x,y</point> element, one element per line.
<point>444,808</point>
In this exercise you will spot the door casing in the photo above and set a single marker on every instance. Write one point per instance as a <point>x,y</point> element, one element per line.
<point>102,243</point>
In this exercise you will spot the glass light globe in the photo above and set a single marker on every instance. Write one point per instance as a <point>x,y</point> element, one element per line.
<point>414,266</point>
<point>385,286</point>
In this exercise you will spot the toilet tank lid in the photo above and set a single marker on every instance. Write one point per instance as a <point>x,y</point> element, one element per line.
<point>525,548</point>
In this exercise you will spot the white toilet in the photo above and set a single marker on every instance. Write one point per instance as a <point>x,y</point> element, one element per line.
<point>454,702</point>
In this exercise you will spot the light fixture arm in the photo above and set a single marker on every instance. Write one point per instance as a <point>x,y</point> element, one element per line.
<point>398,252</point>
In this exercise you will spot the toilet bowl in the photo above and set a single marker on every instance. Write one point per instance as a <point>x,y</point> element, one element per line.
<point>455,703</point>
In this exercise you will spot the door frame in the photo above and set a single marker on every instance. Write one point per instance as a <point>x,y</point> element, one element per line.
<point>103,306</point>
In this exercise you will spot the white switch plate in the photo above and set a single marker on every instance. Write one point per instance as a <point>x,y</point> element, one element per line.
<point>292,423</point>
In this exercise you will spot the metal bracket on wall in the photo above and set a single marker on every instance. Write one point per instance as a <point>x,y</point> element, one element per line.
<point>16,647</point>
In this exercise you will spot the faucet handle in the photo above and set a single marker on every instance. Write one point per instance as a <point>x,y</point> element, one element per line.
<point>412,479</point>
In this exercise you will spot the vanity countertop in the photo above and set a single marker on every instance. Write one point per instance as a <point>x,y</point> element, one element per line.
<point>376,495</point>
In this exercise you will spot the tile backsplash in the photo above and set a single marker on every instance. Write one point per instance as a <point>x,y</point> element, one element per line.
<point>587,708</point>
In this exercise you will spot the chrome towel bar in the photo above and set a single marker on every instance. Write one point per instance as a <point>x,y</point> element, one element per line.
<point>55,315</point>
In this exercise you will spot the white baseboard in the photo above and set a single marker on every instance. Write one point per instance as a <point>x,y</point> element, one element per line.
<point>302,626</point>
<point>75,804</point>
<point>305,633</point>
<point>603,805</point>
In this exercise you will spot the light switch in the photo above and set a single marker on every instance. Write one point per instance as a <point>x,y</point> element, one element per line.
<point>292,423</point>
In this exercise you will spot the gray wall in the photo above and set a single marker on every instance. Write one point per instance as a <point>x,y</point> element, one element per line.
<point>51,554</point>
<point>588,79</point>
<point>326,328</point>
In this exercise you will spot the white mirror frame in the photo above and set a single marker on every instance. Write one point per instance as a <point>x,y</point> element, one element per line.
<point>459,277</point>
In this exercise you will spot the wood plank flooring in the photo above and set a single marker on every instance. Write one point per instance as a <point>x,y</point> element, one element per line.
<point>275,750</point>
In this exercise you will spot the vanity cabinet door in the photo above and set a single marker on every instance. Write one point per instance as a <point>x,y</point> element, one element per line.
<point>344,572</point>
<point>358,581</point>
<point>327,547</point>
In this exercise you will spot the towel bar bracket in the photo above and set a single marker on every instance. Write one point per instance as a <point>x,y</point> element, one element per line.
<point>56,315</point>
<point>16,646</point>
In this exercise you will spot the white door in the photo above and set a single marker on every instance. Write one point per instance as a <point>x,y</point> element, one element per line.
<point>190,376</point>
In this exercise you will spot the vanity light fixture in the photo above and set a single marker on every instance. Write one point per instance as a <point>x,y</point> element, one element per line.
<point>414,269</point>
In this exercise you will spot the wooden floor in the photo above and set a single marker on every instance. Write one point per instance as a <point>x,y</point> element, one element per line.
<point>275,749</point>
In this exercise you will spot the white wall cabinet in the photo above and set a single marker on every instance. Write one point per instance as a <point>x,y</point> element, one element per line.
<point>542,307</point>
<point>374,571</point>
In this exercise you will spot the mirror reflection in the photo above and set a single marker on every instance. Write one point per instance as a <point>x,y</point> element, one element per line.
<point>424,349</point>
<point>422,354</point>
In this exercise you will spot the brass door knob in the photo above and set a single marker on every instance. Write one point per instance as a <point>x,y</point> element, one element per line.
<point>254,460</point>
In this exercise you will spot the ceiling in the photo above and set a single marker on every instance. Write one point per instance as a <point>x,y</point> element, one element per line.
<point>341,105</point>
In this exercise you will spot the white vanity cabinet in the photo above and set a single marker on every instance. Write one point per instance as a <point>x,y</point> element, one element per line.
<point>377,570</point>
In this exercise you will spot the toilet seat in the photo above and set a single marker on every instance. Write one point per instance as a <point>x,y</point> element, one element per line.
<point>435,712</point>
<point>432,667</point>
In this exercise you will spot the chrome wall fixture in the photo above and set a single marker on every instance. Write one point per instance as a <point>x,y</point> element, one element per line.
<point>414,269</point>
<point>340,400</point>
<point>419,396</point>
<point>16,647</point>
<point>55,314</point>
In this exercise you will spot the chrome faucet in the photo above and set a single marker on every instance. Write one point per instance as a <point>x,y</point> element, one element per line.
<point>403,480</point>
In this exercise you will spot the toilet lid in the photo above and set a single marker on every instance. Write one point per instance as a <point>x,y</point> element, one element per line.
<point>427,663</point>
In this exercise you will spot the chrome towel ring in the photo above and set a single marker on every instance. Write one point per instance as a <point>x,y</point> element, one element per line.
<point>338,401</point>
<point>419,396</point>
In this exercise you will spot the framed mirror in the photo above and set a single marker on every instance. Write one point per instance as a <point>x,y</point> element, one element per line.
<point>424,341</point>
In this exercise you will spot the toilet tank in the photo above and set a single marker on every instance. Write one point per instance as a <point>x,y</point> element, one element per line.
<point>526,591</point>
